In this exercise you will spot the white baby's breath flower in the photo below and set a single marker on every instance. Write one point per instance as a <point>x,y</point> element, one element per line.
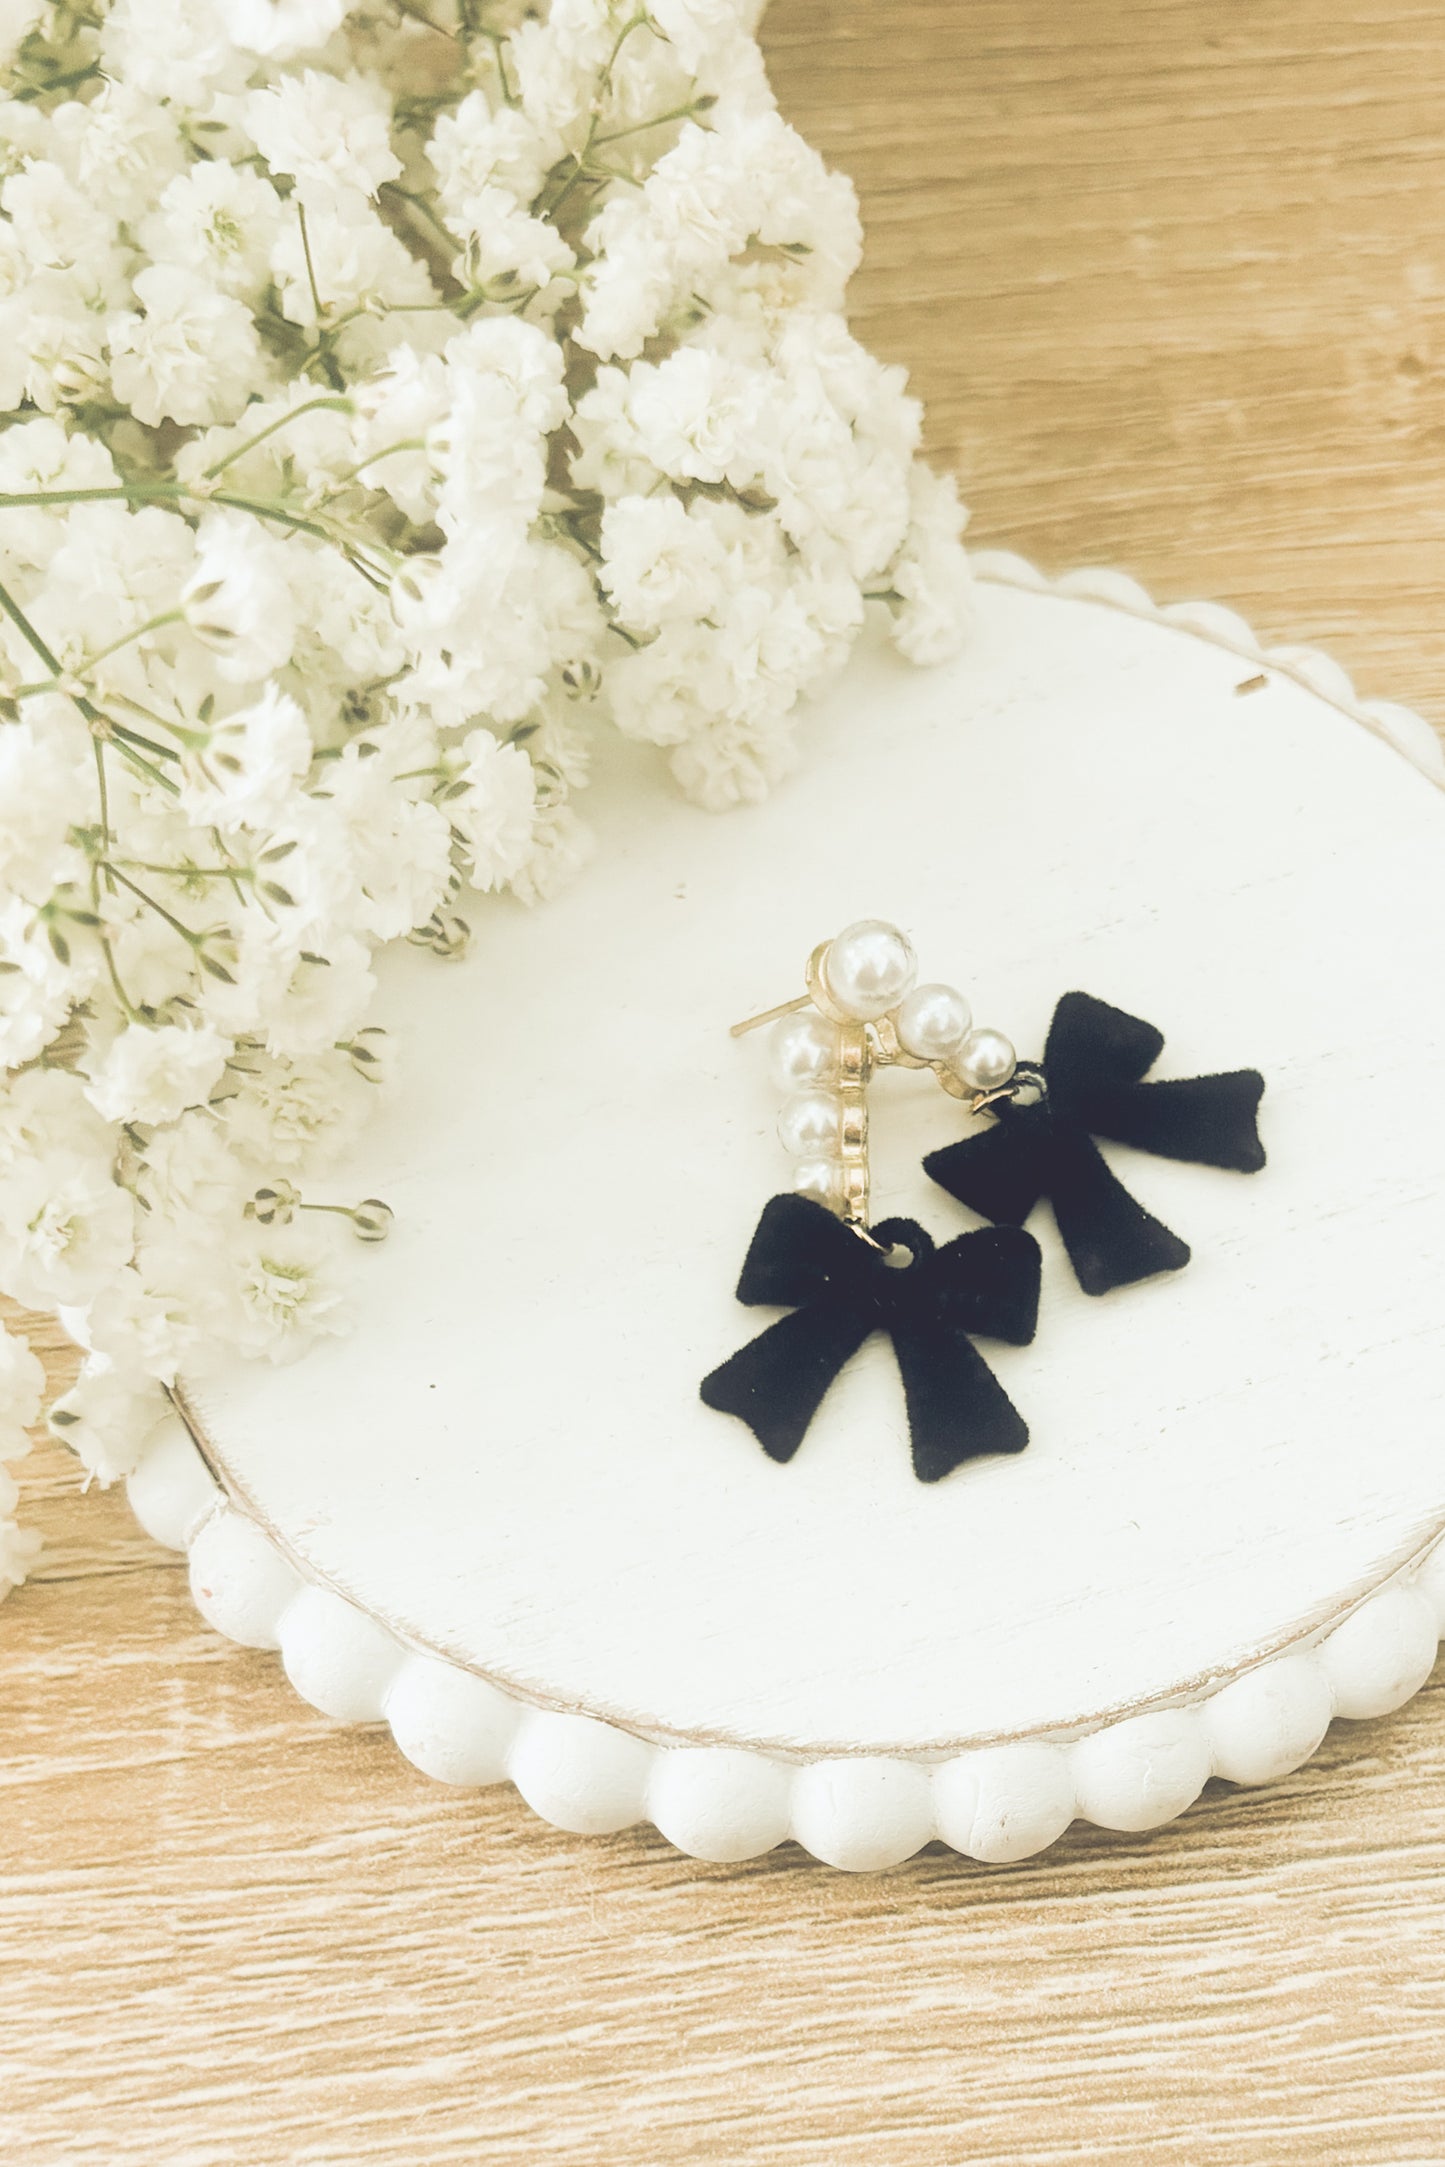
<point>248,769</point>
<point>497,812</point>
<point>188,1177</point>
<point>218,221</point>
<point>57,226</point>
<point>238,597</point>
<point>40,455</point>
<point>41,791</point>
<point>330,136</point>
<point>19,1546</point>
<point>399,846</point>
<point>295,392</point>
<point>696,416</point>
<point>120,147</point>
<point>288,1114</point>
<point>280,29</point>
<point>736,761</point>
<point>152,1074</point>
<point>931,573</point>
<point>349,619</point>
<point>506,243</point>
<point>177,55</point>
<point>506,395</point>
<point>38,987</point>
<point>65,1230</point>
<point>746,182</point>
<point>193,355</point>
<point>106,1418</point>
<point>700,30</point>
<point>52,344</point>
<point>44,1110</point>
<point>661,559</point>
<point>320,1001</point>
<point>396,412</point>
<point>22,1388</point>
<point>364,277</point>
<point>665,691</point>
<point>479,147</point>
<point>286,1287</point>
<point>145,1320</point>
<point>561,846</point>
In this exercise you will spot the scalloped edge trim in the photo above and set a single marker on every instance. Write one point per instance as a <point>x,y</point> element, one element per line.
<point>861,1813</point>
<point>1401,727</point>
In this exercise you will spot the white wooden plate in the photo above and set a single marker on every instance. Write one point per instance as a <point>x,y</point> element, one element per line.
<point>499,1515</point>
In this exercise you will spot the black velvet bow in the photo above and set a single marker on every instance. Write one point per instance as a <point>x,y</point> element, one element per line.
<point>840,1289</point>
<point>1091,1085</point>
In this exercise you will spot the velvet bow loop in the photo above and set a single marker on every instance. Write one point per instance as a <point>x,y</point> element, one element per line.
<point>843,1288</point>
<point>1095,1062</point>
<point>1093,1084</point>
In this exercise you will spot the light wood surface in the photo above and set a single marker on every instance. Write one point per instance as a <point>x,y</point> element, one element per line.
<point>1170,277</point>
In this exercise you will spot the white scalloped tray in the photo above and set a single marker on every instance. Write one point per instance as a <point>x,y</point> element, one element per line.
<point>498,1516</point>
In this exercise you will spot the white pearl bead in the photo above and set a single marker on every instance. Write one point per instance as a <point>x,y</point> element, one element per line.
<point>985,1060</point>
<point>804,1050</point>
<point>933,1022</point>
<point>869,968</point>
<point>810,1124</point>
<point>821,1179</point>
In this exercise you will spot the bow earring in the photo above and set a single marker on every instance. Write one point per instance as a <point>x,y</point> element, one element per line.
<point>815,1254</point>
<point>1091,1083</point>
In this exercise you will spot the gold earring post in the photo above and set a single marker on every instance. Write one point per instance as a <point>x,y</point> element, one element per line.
<point>769,1015</point>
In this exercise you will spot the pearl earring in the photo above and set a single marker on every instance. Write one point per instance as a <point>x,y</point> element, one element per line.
<point>814,1252</point>
<point>863,1010</point>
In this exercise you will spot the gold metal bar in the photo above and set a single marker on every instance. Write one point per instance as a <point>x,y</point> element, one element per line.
<point>769,1015</point>
<point>855,1062</point>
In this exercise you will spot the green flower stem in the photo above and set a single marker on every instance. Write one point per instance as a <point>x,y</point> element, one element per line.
<point>193,740</point>
<point>222,852</point>
<point>188,872</point>
<point>128,1006</point>
<point>419,203</point>
<point>27,631</point>
<point>145,767</point>
<point>98,747</point>
<point>29,92</point>
<point>328,360</point>
<point>127,492</point>
<point>132,1013</point>
<point>152,624</point>
<point>498,44</point>
<point>327,402</point>
<point>659,120</point>
<point>120,734</point>
<point>192,939</point>
<point>173,492</point>
<point>328,334</point>
<point>406,443</point>
<point>417,14</point>
<point>604,84</point>
<point>592,171</point>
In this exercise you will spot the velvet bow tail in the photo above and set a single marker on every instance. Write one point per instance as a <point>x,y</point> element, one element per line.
<point>776,1383</point>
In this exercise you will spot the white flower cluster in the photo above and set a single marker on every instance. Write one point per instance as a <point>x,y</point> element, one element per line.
<point>390,394</point>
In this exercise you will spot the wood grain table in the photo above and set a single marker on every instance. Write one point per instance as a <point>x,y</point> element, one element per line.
<point>1171,276</point>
